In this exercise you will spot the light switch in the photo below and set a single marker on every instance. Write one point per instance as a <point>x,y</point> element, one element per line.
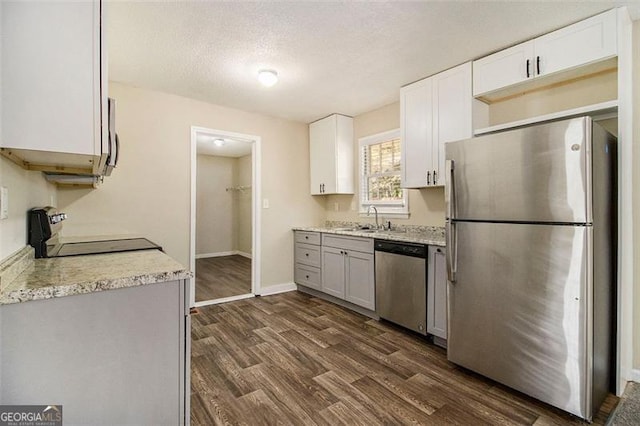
<point>4,202</point>
<point>336,207</point>
<point>265,203</point>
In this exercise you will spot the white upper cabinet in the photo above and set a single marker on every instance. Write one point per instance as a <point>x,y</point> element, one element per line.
<point>582,43</point>
<point>416,133</point>
<point>452,113</point>
<point>331,155</point>
<point>591,40</point>
<point>54,72</point>
<point>505,68</point>
<point>433,111</point>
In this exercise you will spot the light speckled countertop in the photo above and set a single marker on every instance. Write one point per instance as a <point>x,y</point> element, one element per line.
<point>68,276</point>
<point>429,235</point>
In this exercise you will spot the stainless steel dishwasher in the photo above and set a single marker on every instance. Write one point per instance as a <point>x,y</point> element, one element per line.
<point>401,283</point>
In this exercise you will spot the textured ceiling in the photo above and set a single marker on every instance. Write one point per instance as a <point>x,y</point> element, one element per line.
<point>345,57</point>
<point>231,148</point>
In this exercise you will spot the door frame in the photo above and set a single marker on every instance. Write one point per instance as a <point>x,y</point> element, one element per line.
<point>255,213</point>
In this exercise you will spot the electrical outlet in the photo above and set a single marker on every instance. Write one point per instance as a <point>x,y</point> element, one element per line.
<point>265,203</point>
<point>336,207</point>
<point>4,203</point>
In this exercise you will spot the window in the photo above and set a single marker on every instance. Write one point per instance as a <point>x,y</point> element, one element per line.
<point>380,174</point>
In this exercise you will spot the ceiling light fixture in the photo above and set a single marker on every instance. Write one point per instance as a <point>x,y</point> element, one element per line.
<point>268,77</point>
<point>219,142</point>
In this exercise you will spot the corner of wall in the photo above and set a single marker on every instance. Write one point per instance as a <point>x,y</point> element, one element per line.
<point>27,189</point>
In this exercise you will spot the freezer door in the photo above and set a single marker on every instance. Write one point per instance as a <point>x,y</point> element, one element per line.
<point>519,309</point>
<point>534,174</point>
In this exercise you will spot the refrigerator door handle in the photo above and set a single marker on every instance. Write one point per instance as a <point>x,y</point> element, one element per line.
<point>449,193</point>
<point>450,227</point>
<point>450,251</point>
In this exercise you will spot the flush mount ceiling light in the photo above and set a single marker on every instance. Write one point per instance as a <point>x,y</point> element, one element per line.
<point>219,142</point>
<point>267,77</point>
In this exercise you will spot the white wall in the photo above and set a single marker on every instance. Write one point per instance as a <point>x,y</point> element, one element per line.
<point>215,215</point>
<point>149,192</point>
<point>27,189</point>
<point>223,218</point>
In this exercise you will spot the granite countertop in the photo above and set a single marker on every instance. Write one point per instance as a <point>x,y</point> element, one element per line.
<point>23,278</point>
<point>430,235</point>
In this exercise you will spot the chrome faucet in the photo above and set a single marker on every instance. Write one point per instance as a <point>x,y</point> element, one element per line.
<point>376,212</point>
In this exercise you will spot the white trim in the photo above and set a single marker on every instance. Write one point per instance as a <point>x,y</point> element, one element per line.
<point>386,215</point>
<point>634,376</point>
<point>626,158</point>
<point>223,253</point>
<point>244,254</point>
<point>397,209</point>
<point>223,300</point>
<point>218,254</point>
<point>256,194</point>
<point>379,137</point>
<point>278,288</point>
<point>604,108</point>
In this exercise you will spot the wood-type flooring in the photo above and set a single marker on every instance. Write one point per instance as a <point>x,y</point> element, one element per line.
<point>224,276</point>
<point>297,360</point>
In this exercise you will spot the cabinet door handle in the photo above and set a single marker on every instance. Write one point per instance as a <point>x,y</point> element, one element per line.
<point>428,178</point>
<point>538,64</point>
<point>115,163</point>
<point>306,254</point>
<point>346,254</point>
<point>435,179</point>
<point>307,276</point>
<point>306,237</point>
<point>528,64</point>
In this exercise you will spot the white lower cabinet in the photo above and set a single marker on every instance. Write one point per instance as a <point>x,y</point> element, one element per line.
<point>359,271</point>
<point>436,293</point>
<point>307,259</point>
<point>344,267</point>
<point>333,278</point>
<point>347,273</point>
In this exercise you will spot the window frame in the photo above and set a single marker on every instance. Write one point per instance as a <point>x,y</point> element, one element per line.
<point>399,209</point>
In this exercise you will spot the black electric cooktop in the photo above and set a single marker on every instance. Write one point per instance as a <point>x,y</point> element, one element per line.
<point>100,247</point>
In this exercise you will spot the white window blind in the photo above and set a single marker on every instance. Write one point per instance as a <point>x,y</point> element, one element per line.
<point>380,173</point>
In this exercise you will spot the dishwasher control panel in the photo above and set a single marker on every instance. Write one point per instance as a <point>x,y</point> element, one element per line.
<point>406,249</point>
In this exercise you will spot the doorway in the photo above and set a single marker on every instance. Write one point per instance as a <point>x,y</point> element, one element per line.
<point>225,225</point>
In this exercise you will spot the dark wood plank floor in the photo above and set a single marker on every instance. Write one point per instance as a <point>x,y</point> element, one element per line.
<point>295,359</point>
<point>224,276</point>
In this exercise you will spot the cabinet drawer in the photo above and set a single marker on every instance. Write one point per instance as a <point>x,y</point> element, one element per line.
<point>308,254</point>
<point>308,276</point>
<point>348,243</point>
<point>308,237</point>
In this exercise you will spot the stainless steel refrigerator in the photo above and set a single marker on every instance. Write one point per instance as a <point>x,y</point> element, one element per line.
<point>531,257</point>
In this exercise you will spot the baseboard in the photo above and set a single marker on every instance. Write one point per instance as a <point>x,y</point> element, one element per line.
<point>634,375</point>
<point>223,253</point>
<point>278,288</point>
<point>243,254</point>
<point>218,254</point>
